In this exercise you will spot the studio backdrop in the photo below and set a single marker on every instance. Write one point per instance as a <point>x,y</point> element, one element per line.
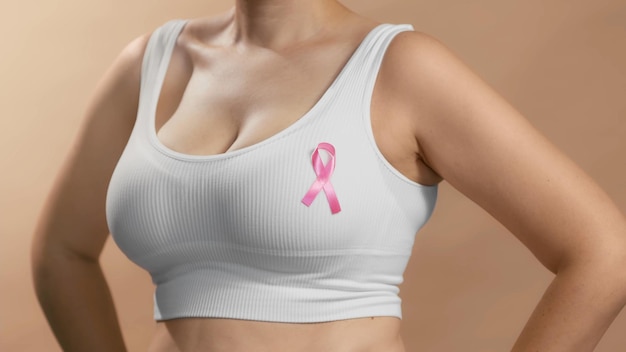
<point>470,284</point>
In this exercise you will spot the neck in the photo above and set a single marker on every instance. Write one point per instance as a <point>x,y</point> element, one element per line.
<point>281,23</point>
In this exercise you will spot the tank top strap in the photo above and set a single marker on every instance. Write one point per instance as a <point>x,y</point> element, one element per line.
<point>349,105</point>
<point>156,58</point>
<point>372,61</point>
<point>361,77</point>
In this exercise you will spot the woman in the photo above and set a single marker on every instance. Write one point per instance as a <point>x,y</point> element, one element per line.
<point>270,166</point>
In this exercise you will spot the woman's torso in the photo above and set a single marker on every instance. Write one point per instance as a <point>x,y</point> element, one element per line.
<point>235,94</point>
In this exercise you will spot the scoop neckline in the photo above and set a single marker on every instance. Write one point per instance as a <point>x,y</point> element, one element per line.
<point>302,120</point>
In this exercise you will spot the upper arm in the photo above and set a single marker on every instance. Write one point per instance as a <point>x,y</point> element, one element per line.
<point>73,219</point>
<point>486,149</point>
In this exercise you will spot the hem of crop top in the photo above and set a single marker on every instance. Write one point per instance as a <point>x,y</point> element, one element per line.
<point>257,308</point>
<point>375,312</point>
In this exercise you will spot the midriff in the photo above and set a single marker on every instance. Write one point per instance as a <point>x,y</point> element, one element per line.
<point>371,334</point>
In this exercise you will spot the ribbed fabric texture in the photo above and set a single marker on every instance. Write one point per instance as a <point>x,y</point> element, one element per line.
<point>227,235</point>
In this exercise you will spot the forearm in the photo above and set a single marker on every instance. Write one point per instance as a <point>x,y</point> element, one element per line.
<point>77,302</point>
<point>575,310</point>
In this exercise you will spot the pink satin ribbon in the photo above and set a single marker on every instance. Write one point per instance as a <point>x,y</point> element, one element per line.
<point>323,173</point>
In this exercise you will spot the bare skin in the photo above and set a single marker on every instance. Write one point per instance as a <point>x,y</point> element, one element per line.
<point>432,118</point>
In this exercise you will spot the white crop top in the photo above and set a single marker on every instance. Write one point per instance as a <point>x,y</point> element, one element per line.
<point>231,235</point>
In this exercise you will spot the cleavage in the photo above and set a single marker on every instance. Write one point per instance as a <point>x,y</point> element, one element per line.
<point>237,102</point>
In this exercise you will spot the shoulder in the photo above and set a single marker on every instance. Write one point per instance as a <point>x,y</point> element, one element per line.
<point>117,92</point>
<point>430,79</point>
<point>120,83</point>
<point>415,60</point>
<point>415,41</point>
<point>129,60</point>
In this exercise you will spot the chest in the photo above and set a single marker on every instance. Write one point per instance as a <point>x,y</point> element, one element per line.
<point>253,199</point>
<point>220,104</point>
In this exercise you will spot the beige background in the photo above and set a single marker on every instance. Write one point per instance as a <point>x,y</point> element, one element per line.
<point>470,285</point>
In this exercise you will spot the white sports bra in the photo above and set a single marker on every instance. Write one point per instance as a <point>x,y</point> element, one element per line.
<point>309,225</point>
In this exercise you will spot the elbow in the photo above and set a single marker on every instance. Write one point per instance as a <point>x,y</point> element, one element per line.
<point>50,259</point>
<point>42,264</point>
<point>37,258</point>
<point>619,270</point>
<point>605,263</point>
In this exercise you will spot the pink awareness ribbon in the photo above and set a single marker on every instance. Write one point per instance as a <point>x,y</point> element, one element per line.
<point>323,173</point>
